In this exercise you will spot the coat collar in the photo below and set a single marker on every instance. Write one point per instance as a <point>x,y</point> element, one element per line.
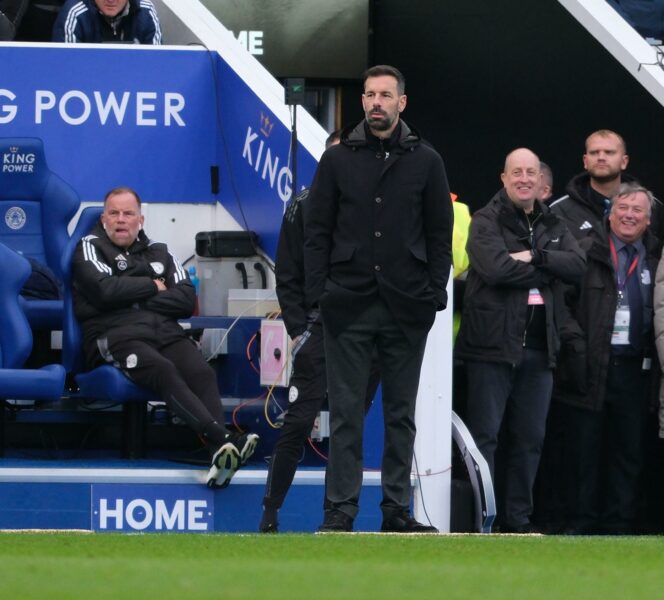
<point>509,217</point>
<point>356,137</point>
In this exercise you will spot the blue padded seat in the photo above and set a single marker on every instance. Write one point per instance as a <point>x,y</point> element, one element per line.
<point>46,383</point>
<point>36,207</point>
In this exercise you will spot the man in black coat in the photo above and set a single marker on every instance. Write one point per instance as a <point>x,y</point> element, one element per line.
<point>308,384</point>
<point>519,251</point>
<point>378,234</point>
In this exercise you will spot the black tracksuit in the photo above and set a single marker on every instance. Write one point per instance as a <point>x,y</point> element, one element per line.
<point>129,323</point>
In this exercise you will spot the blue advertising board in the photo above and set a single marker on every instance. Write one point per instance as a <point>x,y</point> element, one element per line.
<point>160,120</point>
<point>256,167</point>
<point>111,116</point>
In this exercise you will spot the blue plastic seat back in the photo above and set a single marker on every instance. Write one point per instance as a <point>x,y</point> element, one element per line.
<point>15,333</point>
<point>36,205</point>
<point>72,337</point>
<point>46,383</point>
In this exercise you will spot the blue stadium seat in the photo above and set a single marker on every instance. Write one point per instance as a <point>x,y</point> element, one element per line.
<point>36,207</point>
<point>46,383</point>
<point>106,382</point>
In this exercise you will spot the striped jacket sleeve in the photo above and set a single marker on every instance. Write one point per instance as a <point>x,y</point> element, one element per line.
<point>67,27</point>
<point>150,28</point>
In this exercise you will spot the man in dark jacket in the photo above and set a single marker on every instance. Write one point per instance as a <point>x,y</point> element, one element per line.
<point>378,235</point>
<point>129,292</point>
<point>519,251</point>
<point>589,194</point>
<point>308,383</point>
<point>605,373</point>
<point>97,21</point>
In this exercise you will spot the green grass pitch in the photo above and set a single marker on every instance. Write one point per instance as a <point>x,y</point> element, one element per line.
<point>364,566</point>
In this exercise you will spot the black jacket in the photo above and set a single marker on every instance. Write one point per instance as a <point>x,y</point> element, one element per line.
<point>495,308</point>
<point>588,324</point>
<point>289,267</point>
<point>379,224</point>
<point>584,217</point>
<point>80,21</point>
<point>114,291</point>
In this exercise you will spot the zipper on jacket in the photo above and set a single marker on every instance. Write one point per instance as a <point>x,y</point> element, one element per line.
<point>531,310</point>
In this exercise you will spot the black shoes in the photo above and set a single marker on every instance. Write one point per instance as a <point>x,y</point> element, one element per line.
<point>269,523</point>
<point>404,523</point>
<point>336,521</point>
<point>523,528</point>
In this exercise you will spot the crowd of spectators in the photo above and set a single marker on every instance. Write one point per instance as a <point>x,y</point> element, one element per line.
<point>563,305</point>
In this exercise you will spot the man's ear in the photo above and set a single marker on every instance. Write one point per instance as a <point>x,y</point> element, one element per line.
<point>403,100</point>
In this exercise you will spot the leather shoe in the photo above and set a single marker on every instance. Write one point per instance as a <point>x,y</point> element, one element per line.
<point>269,523</point>
<point>522,528</point>
<point>404,523</point>
<point>336,521</point>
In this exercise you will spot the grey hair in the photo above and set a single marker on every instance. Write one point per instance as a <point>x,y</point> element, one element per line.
<point>633,187</point>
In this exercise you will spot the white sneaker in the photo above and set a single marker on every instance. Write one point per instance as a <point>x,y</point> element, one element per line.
<point>245,443</point>
<point>225,463</point>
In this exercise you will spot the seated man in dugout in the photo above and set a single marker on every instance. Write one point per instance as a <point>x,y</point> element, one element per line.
<point>128,293</point>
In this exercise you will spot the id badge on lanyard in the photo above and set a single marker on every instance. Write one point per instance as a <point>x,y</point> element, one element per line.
<point>620,335</point>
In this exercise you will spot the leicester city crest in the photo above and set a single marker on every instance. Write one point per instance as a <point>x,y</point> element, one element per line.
<point>15,217</point>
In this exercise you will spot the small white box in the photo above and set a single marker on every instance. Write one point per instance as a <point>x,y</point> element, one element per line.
<point>252,303</point>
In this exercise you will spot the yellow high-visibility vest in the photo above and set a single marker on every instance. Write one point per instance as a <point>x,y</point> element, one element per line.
<point>459,238</point>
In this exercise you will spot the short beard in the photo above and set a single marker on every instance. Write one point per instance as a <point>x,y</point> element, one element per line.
<point>381,124</point>
<point>608,178</point>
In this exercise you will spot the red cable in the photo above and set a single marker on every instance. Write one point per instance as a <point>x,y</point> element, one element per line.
<point>316,450</point>
<point>241,405</point>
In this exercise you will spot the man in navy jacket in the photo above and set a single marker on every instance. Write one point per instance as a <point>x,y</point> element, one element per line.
<point>99,21</point>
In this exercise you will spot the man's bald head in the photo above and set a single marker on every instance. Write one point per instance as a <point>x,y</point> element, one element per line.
<point>522,177</point>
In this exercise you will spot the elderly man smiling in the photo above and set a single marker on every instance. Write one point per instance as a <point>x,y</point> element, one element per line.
<point>605,373</point>
<point>110,21</point>
<point>519,252</point>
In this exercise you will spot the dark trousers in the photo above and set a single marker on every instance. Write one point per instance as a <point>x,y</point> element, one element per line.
<point>170,364</point>
<point>349,358</point>
<point>611,452</point>
<point>307,395</point>
<point>516,398</point>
